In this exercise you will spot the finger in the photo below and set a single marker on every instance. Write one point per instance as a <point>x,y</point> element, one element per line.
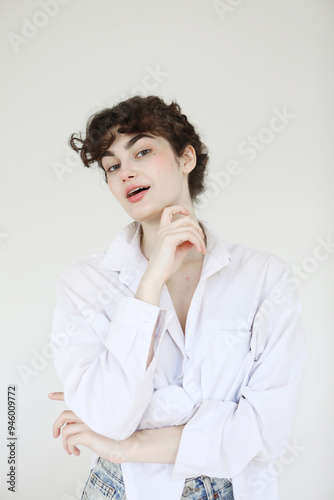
<point>56,396</point>
<point>185,222</point>
<point>69,430</point>
<point>77,439</point>
<point>180,235</point>
<point>185,248</point>
<point>168,212</point>
<point>65,416</point>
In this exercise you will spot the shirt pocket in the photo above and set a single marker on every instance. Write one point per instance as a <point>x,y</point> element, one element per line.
<point>226,362</point>
<point>232,341</point>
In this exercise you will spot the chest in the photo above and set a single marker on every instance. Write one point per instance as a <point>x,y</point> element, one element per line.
<point>181,289</point>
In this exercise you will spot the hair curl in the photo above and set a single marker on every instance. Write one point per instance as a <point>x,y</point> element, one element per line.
<point>137,115</point>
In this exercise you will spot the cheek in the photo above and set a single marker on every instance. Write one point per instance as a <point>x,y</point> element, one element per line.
<point>164,166</point>
<point>114,191</point>
<point>159,163</point>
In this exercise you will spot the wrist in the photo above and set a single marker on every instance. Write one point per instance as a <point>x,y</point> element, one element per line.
<point>149,289</point>
<point>150,279</point>
<point>117,452</point>
<point>129,447</point>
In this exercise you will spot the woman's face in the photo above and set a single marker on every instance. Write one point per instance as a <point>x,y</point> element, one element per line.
<point>142,160</point>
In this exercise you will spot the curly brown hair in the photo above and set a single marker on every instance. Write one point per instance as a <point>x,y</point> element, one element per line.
<point>143,114</point>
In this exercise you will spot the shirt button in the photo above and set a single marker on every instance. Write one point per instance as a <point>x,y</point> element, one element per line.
<point>192,388</point>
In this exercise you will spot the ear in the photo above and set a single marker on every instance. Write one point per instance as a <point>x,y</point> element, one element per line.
<point>188,159</point>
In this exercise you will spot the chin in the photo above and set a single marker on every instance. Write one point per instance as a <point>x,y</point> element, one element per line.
<point>146,215</point>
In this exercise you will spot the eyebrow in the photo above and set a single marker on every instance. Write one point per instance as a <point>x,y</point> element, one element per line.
<point>128,145</point>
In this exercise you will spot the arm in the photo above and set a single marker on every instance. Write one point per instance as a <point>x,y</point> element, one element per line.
<point>230,435</point>
<point>223,437</point>
<point>153,445</point>
<point>149,445</point>
<point>108,383</point>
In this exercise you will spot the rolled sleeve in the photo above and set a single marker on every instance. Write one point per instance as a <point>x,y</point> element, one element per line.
<point>223,437</point>
<point>105,381</point>
<point>199,448</point>
<point>130,332</point>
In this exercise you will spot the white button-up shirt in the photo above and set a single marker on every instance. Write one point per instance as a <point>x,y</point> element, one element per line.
<point>234,378</point>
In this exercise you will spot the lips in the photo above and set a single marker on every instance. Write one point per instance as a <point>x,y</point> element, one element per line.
<point>135,189</point>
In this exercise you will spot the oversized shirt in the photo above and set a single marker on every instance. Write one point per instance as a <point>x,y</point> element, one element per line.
<point>234,377</point>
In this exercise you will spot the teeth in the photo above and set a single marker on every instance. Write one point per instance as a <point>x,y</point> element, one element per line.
<point>133,191</point>
<point>130,193</point>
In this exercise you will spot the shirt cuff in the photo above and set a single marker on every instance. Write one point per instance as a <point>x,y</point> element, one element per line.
<point>200,443</point>
<point>130,334</point>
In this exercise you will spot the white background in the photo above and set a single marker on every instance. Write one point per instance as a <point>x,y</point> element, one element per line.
<point>229,68</point>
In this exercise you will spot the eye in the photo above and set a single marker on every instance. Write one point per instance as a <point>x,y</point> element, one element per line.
<point>113,168</point>
<point>144,152</point>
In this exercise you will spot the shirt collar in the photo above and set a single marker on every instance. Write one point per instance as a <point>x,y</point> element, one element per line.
<point>217,256</point>
<point>124,254</point>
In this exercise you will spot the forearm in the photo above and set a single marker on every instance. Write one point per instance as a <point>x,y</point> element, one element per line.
<point>153,445</point>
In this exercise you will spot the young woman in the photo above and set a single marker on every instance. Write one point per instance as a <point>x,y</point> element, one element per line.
<point>181,356</point>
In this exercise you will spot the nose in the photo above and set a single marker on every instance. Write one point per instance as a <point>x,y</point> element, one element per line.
<point>127,171</point>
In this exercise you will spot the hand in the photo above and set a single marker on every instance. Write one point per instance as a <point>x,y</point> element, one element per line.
<point>149,445</point>
<point>174,240</point>
<point>75,432</point>
<point>56,396</point>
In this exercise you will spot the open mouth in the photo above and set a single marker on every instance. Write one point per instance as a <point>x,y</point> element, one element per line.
<point>136,191</point>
